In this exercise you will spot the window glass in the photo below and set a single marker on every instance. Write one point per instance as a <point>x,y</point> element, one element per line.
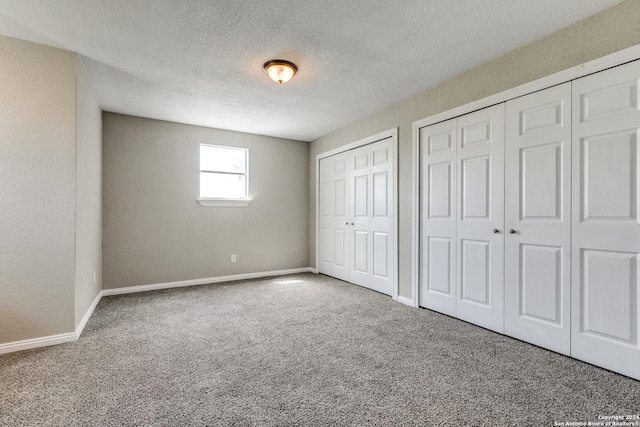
<point>223,172</point>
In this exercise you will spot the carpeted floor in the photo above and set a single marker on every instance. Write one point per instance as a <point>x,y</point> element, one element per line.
<point>296,350</point>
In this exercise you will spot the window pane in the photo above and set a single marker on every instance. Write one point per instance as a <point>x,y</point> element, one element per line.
<point>222,186</point>
<point>223,159</point>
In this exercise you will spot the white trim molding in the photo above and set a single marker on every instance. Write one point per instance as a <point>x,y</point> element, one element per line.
<point>609,61</point>
<point>87,315</point>
<point>224,202</point>
<point>407,301</point>
<point>205,281</point>
<point>37,342</point>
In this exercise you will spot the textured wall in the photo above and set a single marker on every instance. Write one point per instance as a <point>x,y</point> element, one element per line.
<point>604,33</point>
<point>88,196</point>
<point>37,190</point>
<point>154,229</point>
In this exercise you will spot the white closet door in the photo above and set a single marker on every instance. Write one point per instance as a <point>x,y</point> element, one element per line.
<point>340,206</point>
<point>360,202</point>
<point>537,210</point>
<point>480,187</point>
<point>437,217</point>
<point>382,216</point>
<point>333,236</point>
<point>325,214</point>
<point>606,231</point>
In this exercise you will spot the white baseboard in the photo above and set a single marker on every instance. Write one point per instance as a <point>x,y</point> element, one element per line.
<point>73,336</point>
<point>87,315</point>
<point>37,342</point>
<point>205,281</point>
<point>313,270</point>
<point>407,301</point>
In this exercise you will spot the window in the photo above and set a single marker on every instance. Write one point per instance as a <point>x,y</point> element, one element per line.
<point>223,176</point>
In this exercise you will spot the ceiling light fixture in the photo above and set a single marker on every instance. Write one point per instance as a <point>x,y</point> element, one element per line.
<point>279,70</point>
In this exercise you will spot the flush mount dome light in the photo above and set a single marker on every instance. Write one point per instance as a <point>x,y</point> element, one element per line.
<point>279,70</point>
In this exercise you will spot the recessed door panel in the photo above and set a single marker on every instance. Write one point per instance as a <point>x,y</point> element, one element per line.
<point>326,253</point>
<point>340,255</point>
<point>537,218</point>
<point>380,254</point>
<point>475,133</point>
<point>380,156</point>
<point>475,271</point>
<point>439,266</point>
<point>609,295</point>
<point>361,252</point>
<point>540,117</point>
<point>605,239</point>
<point>541,283</point>
<point>609,101</point>
<point>340,203</point>
<point>380,194</point>
<point>443,141</point>
<point>440,191</point>
<point>476,188</point>
<point>541,176</point>
<point>609,176</point>
<point>361,196</point>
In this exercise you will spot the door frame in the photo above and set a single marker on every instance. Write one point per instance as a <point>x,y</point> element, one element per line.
<point>393,134</point>
<point>612,60</point>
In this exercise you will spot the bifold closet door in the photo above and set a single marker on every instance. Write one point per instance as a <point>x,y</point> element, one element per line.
<point>372,212</point>
<point>356,216</point>
<point>333,236</point>
<point>360,206</point>
<point>538,219</point>
<point>438,217</point>
<point>480,218</point>
<point>606,231</point>
<point>381,218</point>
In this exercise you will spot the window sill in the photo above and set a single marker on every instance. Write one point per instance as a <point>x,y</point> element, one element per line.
<point>224,202</point>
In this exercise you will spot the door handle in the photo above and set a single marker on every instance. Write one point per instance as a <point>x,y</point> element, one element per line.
<point>496,231</point>
<point>512,231</point>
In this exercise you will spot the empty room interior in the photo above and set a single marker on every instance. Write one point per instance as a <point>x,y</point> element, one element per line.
<point>281,212</point>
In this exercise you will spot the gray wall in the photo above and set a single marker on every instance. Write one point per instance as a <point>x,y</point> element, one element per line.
<point>607,32</point>
<point>88,196</point>
<point>156,232</point>
<point>37,190</point>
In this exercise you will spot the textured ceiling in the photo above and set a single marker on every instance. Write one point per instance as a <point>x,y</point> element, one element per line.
<point>200,61</point>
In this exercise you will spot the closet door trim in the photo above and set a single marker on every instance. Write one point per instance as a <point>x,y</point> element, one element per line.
<point>393,134</point>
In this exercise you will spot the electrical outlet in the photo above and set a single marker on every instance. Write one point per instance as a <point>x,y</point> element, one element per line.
<point>233,258</point>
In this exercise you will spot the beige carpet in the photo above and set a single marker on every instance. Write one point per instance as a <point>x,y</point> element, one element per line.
<point>296,350</point>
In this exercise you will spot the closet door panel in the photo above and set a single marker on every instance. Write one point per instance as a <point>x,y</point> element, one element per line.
<point>480,191</point>
<point>340,204</point>
<point>537,208</point>
<point>606,231</point>
<point>382,161</point>
<point>437,217</point>
<point>360,228</point>
<point>325,212</point>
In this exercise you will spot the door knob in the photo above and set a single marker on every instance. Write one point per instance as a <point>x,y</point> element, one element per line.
<point>512,231</point>
<point>351,223</point>
<point>496,231</point>
<point>347,223</point>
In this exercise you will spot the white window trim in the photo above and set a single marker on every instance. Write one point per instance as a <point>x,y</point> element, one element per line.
<point>224,202</point>
<point>207,201</point>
